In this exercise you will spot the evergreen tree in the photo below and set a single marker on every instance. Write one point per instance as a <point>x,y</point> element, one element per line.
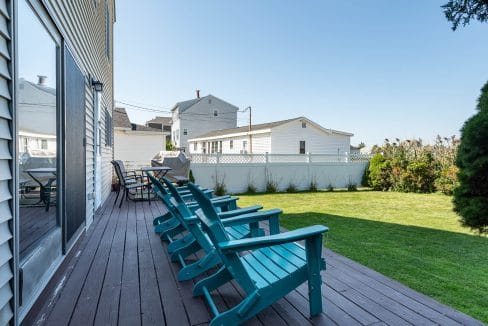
<point>471,197</point>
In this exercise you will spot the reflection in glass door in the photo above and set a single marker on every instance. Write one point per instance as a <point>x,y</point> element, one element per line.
<point>38,150</point>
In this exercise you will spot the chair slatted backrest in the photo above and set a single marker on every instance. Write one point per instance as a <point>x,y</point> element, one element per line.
<point>121,167</point>
<point>162,193</point>
<point>215,229</point>
<point>185,213</point>
<point>118,171</point>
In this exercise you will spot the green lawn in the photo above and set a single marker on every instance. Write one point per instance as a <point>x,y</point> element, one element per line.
<point>413,238</point>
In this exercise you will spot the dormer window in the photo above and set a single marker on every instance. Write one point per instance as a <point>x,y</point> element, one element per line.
<point>304,124</point>
<point>216,113</point>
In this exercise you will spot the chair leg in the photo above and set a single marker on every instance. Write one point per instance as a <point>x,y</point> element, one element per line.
<point>122,198</point>
<point>117,197</point>
<point>313,248</point>
<point>185,251</point>
<point>180,243</point>
<point>212,282</point>
<point>207,262</point>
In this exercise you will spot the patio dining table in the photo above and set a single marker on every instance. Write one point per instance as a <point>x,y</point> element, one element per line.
<point>45,188</point>
<point>158,172</point>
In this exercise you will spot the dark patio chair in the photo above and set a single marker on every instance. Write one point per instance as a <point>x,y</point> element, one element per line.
<point>130,184</point>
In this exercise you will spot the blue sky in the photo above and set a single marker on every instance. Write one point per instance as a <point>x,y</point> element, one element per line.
<point>379,69</point>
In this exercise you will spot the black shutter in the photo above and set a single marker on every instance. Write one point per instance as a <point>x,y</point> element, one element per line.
<point>74,163</point>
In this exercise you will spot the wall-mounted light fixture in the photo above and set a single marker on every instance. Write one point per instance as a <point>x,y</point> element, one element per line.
<point>97,85</point>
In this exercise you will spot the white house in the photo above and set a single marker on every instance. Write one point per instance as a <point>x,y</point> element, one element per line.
<point>293,136</point>
<point>133,143</point>
<point>161,123</point>
<point>199,116</point>
<point>37,116</point>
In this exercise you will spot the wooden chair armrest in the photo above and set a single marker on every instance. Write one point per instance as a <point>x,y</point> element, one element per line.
<point>252,217</point>
<point>240,211</point>
<point>240,245</point>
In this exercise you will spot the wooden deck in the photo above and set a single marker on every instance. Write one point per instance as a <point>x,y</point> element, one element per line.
<point>35,223</point>
<point>120,274</point>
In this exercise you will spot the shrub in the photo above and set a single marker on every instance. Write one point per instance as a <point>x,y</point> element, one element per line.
<point>291,188</point>
<point>251,189</point>
<point>447,180</point>
<point>330,187</point>
<point>380,173</point>
<point>191,178</point>
<point>471,197</point>
<point>352,187</point>
<point>313,186</point>
<point>220,188</point>
<point>365,178</point>
<point>418,176</point>
<point>271,187</point>
<point>169,146</point>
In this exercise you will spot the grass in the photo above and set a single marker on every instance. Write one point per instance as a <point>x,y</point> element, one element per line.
<point>413,238</point>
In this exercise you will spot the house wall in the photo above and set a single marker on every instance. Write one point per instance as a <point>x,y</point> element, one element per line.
<point>82,25</point>
<point>285,140</point>
<point>261,143</point>
<point>199,119</point>
<point>7,163</point>
<point>137,146</point>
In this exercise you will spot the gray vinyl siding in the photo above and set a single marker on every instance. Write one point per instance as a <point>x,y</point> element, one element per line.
<point>82,25</point>
<point>6,167</point>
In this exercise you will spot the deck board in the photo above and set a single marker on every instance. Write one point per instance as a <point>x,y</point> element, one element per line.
<point>121,274</point>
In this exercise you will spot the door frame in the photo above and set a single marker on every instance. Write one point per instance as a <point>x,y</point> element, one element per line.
<point>45,19</point>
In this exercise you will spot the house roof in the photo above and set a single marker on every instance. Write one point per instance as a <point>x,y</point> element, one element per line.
<point>121,119</point>
<point>137,127</point>
<point>161,120</point>
<point>237,130</point>
<point>185,105</point>
<point>263,126</point>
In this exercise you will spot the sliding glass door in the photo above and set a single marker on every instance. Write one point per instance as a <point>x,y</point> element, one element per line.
<point>39,149</point>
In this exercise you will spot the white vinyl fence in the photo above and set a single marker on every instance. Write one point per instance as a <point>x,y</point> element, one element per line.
<point>238,171</point>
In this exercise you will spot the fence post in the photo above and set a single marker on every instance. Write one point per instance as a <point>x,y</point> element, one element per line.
<point>217,161</point>
<point>266,162</point>
<point>309,174</point>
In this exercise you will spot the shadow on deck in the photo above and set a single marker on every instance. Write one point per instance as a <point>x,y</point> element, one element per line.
<point>120,273</point>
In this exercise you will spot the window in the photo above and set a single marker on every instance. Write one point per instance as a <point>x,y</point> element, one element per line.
<point>216,113</point>
<point>231,144</point>
<point>304,124</point>
<point>204,147</point>
<point>107,31</point>
<point>220,147</point>
<point>185,132</point>
<point>195,147</point>
<point>108,129</point>
<point>302,147</point>
<point>244,144</point>
<point>43,143</point>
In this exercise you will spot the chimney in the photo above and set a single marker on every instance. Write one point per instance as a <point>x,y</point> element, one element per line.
<point>198,93</point>
<point>41,80</point>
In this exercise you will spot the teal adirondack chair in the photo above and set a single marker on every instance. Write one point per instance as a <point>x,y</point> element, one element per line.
<point>266,268</point>
<point>167,220</point>
<point>237,226</point>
